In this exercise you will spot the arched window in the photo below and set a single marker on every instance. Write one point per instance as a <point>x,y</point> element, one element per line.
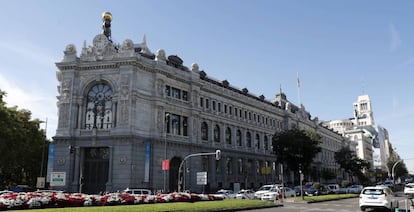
<point>257,141</point>
<point>228,135</point>
<point>204,131</point>
<point>238,138</point>
<point>99,107</point>
<point>217,134</point>
<point>248,139</point>
<point>266,143</point>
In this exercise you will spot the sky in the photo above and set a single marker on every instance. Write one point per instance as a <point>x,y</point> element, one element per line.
<point>339,50</point>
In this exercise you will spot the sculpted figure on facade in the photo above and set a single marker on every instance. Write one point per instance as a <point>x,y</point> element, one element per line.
<point>66,88</point>
<point>69,53</point>
<point>127,49</point>
<point>194,67</point>
<point>160,56</point>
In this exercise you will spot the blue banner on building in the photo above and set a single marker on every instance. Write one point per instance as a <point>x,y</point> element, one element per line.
<point>50,160</point>
<point>147,160</point>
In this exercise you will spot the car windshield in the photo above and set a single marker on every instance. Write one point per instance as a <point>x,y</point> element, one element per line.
<point>263,188</point>
<point>373,191</point>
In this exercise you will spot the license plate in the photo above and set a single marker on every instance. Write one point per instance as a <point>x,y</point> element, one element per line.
<point>372,197</point>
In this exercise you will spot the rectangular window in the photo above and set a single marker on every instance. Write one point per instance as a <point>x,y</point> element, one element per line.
<point>235,111</point>
<point>185,95</point>
<point>175,124</point>
<point>214,105</point>
<point>240,166</point>
<point>201,102</point>
<point>229,166</point>
<point>207,103</point>
<point>176,93</point>
<point>167,90</point>
<point>219,107</point>
<point>185,126</point>
<point>225,108</point>
<point>230,108</point>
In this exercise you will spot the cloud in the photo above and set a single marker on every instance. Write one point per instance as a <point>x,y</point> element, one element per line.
<point>395,41</point>
<point>31,98</point>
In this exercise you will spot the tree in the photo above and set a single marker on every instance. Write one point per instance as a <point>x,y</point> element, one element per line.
<point>296,148</point>
<point>351,163</point>
<point>21,143</point>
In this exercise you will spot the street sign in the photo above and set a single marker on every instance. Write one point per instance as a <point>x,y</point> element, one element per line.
<point>58,179</point>
<point>201,178</point>
<point>40,182</point>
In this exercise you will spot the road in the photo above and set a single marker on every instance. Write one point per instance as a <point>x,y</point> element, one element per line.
<point>345,205</point>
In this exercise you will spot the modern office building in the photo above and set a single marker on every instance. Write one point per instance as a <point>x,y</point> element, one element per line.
<point>123,111</point>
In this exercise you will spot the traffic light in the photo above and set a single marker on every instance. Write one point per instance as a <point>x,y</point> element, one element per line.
<point>218,154</point>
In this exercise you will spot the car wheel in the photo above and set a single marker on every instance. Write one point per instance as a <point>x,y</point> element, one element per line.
<point>362,208</point>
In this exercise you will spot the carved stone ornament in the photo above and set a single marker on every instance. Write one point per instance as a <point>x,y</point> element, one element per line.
<point>69,53</point>
<point>160,55</point>
<point>123,159</point>
<point>60,161</point>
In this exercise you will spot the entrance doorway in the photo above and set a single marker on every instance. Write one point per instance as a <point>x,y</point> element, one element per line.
<point>173,178</point>
<point>95,170</point>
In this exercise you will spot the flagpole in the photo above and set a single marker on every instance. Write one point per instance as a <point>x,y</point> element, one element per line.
<point>298,88</point>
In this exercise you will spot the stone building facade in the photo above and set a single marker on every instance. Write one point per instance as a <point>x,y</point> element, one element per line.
<point>123,110</point>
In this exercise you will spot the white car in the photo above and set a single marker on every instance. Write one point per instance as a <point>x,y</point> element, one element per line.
<point>377,197</point>
<point>409,189</point>
<point>272,195</point>
<point>245,194</point>
<point>266,188</point>
<point>225,194</point>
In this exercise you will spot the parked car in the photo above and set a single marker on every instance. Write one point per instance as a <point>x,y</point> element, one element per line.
<point>343,190</point>
<point>266,188</point>
<point>377,197</point>
<point>5,192</point>
<point>288,192</point>
<point>389,184</point>
<point>355,189</point>
<point>245,194</point>
<point>272,195</point>
<point>333,188</point>
<point>225,194</point>
<point>297,190</point>
<point>141,191</point>
<point>409,189</point>
<point>311,191</point>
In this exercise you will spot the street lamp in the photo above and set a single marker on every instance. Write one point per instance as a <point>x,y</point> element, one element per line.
<point>165,148</point>
<point>393,170</point>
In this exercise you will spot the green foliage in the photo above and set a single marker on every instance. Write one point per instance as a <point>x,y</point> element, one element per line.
<point>345,183</point>
<point>351,163</point>
<point>296,148</point>
<point>220,205</point>
<point>317,185</point>
<point>399,170</point>
<point>21,143</point>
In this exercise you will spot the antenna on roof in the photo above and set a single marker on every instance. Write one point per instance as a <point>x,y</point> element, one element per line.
<point>106,25</point>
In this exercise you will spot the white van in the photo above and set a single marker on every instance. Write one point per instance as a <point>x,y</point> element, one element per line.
<point>333,188</point>
<point>141,191</point>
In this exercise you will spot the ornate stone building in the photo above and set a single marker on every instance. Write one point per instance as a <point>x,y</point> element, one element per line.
<point>123,110</point>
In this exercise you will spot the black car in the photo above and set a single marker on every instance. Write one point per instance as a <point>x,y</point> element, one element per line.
<point>311,191</point>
